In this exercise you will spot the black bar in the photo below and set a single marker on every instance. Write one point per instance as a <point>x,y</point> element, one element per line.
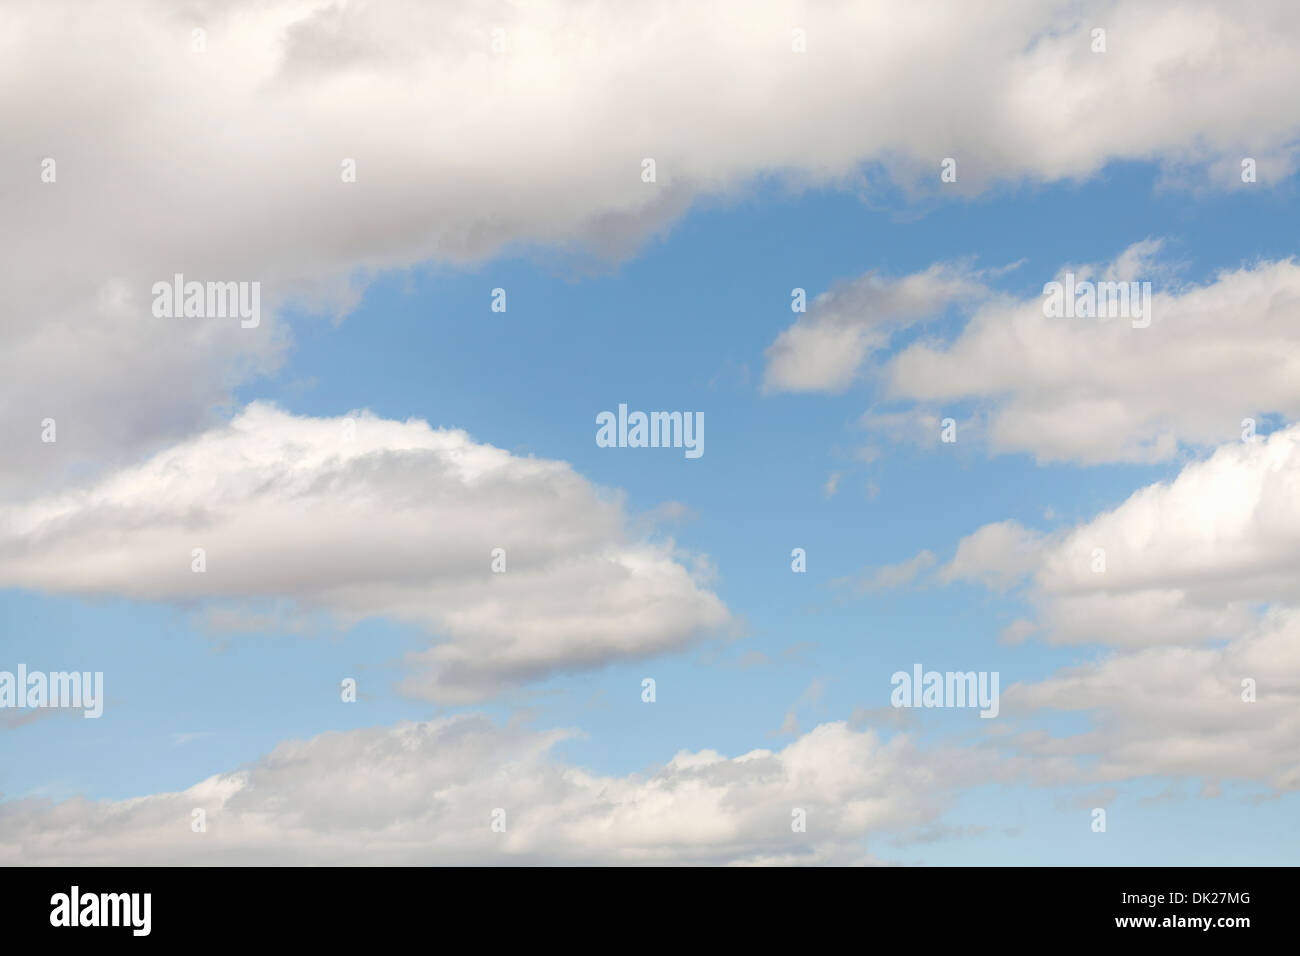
<point>602,907</point>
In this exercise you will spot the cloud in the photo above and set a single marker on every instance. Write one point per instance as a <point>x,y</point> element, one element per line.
<point>1178,562</point>
<point>789,725</point>
<point>892,576</point>
<point>1093,391</point>
<point>826,346</point>
<point>1083,390</point>
<point>225,163</point>
<point>1018,631</point>
<point>424,793</point>
<point>364,517</point>
<point>1179,712</point>
<point>1194,583</point>
<point>997,555</point>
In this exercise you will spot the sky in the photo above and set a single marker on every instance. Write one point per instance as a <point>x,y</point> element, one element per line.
<point>1112,531</point>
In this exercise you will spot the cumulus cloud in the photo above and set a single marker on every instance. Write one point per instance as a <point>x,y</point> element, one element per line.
<point>997,555</point>
<point>362,517</point>
<point>1181,712</point>
<point>224,163</point>
<point>1084,390</point>
<point>824,349</point>
<point>424,793</point>
<point>1092,390</point>
<point>1179,562</point>
<point>1194,584</point>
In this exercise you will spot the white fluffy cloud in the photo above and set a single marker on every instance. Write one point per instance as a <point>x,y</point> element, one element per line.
<point>826,347</point>
<point>366,517</point>
<point>1092,390</point>
<point>424,793</point>
<point>1195,585</point>
<point>1180,712</point>
<point>997,555</point>
<point>225,164</point>
<point>1179,562</point>
<point>1067,389</point>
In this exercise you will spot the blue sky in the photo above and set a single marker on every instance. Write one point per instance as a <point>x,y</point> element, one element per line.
<point>682,301</point>
<point>683,324</point>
